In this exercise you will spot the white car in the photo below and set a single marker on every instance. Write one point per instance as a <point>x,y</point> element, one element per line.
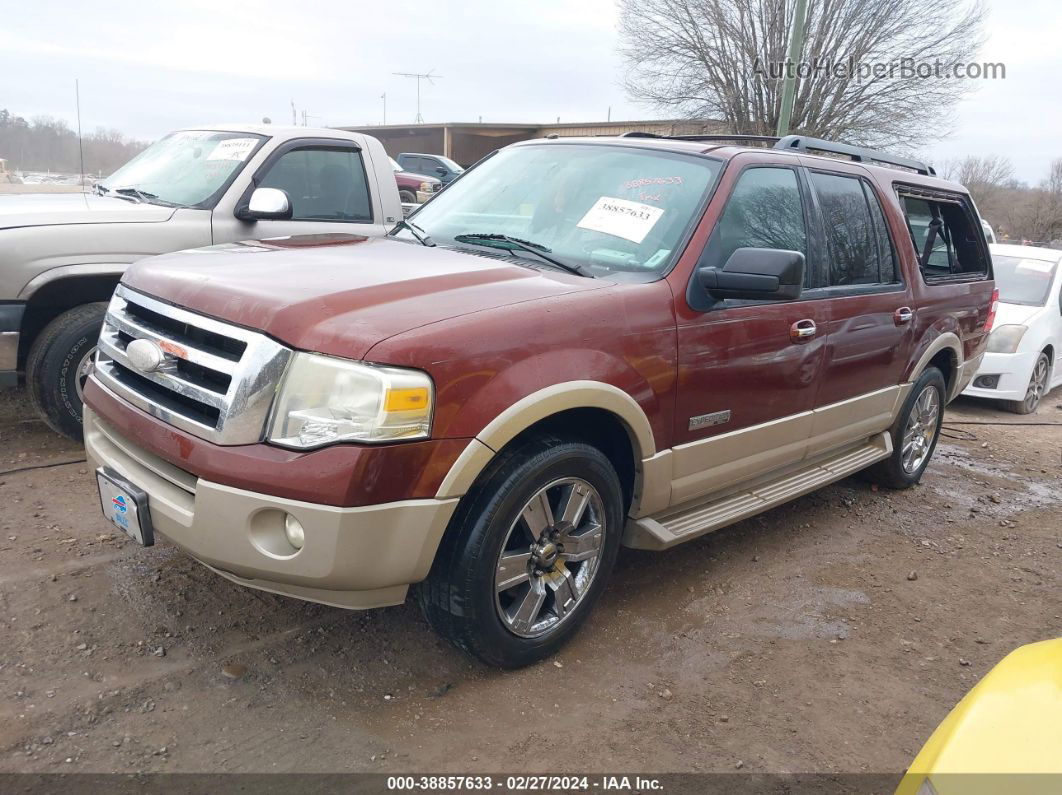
<point>1019,366</point>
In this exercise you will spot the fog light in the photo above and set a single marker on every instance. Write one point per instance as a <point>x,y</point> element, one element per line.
<point>986,381</point>
<point>293,531</point>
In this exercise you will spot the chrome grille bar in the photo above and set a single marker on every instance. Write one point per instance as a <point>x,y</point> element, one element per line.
<point>202,385</point>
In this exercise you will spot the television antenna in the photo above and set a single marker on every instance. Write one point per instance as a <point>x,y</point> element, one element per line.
<point>430,77</point>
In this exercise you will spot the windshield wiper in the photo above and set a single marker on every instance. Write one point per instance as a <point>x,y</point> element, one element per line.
<point>515,243</point>
<point>143,196</point>
<point>421,236</point>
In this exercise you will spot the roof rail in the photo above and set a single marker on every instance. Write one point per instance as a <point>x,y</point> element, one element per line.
<point>770,139</point>
<point>803,143</point>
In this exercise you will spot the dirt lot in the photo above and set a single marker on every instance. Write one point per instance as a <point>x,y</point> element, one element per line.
<point>828,635</point>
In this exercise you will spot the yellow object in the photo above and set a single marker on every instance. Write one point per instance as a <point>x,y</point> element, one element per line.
<point>1005,736</point>
<point>413,399</point>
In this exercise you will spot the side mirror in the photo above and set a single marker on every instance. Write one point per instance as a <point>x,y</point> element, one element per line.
<point>442,172</point>
<point>266,204</point>
<point>757,274</point>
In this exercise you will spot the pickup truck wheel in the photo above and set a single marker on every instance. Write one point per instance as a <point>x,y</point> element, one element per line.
<point>407,196</point>
<point>1038,384</point>
<point>914,434</point>
<point>59,363</point>
<point>528,553</point>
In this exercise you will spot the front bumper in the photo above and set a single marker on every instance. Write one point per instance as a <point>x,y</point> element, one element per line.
<point>356,558</point>
<point>10,324</point>
<point>1014,371</point>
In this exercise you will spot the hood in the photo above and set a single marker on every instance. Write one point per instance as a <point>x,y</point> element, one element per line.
<point>1015,314</point>
<point>341,294</point>
<point>50,209</point>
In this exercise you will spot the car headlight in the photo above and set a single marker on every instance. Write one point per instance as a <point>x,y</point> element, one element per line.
<point>425,187</point>
<point>1005,339</point>
<point>324,400</point>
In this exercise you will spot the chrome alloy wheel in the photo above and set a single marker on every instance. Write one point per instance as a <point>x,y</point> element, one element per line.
<point>550,557</point>
<point>1037,384</point>
<point>921,430</point>
<point>84,370</point>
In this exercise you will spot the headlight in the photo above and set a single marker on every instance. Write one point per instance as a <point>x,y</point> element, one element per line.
<point>324,400</point>
<point>425,187</point>
<point>1005,339</point>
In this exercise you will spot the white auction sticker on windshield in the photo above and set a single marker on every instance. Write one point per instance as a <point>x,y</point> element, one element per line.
<point>621,218</point>
<point>233,149</point>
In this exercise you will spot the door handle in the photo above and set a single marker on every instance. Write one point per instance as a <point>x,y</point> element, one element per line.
<point>902,315</point>
<point>803,331</point>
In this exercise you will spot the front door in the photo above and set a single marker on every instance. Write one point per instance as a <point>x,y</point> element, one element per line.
<point>748,372</point>
<point>327,185</point>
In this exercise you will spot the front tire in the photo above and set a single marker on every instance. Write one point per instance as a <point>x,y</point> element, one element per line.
<point>407,196</point>
<point>914,434</point>
<point>59,363</point>
<point>1039,382</point>
<point>527,554</point>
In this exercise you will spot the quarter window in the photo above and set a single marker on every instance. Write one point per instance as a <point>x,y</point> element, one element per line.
<point>765,210</point>
<point>856,238</point>
<point>322,184</point>
<point>946,236</point>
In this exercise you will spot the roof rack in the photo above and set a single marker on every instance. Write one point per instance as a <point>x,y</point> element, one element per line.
<point>767,139</point>
<point>803,143</point>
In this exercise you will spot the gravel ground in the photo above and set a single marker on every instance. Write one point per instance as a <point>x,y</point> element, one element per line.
<point>829,635</point>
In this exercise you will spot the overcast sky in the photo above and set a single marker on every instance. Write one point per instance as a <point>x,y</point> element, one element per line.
<point>146,67</point>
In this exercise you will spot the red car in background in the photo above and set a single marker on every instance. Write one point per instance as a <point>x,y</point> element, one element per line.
<point>414,188</point>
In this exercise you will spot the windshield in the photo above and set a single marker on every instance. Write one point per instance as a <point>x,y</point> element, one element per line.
<point>1023,281</point>
<point>185,168</point>
<point>611,210</point>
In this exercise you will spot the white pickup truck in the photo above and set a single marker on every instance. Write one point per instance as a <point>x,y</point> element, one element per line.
<point>62,255</point>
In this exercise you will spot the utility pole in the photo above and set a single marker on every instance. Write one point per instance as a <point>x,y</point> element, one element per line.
<point>796,47</point>
<point>294,121</point>
<point>80,146</point>
<point>383,96</point>
<point>430,77</point>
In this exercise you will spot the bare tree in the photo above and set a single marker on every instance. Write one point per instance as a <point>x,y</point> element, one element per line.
<point>724,59</point>
<point>980,172</point>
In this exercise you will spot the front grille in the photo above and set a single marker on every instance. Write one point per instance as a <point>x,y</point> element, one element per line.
<point>215,380</point>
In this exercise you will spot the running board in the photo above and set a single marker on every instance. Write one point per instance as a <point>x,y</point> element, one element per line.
<point>676,525</point>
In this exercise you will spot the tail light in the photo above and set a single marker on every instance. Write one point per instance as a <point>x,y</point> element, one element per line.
<point>991,319</point>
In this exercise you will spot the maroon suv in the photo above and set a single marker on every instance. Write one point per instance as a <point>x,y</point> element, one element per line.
<point>581,344</point>
<point>414,188</point>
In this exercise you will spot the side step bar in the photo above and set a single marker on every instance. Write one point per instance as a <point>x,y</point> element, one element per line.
<point>676,525</point>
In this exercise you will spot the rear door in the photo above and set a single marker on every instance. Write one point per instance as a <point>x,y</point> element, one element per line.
<point>871,316</point>
<point>746,379</point>
<point>328,184</point>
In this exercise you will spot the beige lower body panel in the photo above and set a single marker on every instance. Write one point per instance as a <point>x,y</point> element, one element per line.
<point>688,521</point>
<point>359,557</point>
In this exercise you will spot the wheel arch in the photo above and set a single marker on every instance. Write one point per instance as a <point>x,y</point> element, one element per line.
<point>59,290</point>
<point>945,353</point>
<point>595,412</point>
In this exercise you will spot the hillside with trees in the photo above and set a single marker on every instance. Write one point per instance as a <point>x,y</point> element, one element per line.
<point>44,143</point>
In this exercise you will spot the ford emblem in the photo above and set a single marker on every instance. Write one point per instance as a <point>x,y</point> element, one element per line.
<point>144,356</point>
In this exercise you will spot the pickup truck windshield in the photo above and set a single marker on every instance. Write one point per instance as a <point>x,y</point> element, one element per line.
<point>185,168</point>
<point>612,210</point>
<point>1023,281</point>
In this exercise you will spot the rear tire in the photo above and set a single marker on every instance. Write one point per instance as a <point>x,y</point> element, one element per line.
<point>1039,383</point>
<point>502,593</point>
<point>59,363</point>
<point>914,434</point>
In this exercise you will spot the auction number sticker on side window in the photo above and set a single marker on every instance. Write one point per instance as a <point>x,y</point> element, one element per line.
<point>621,218</point>
<point>233,149</point>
